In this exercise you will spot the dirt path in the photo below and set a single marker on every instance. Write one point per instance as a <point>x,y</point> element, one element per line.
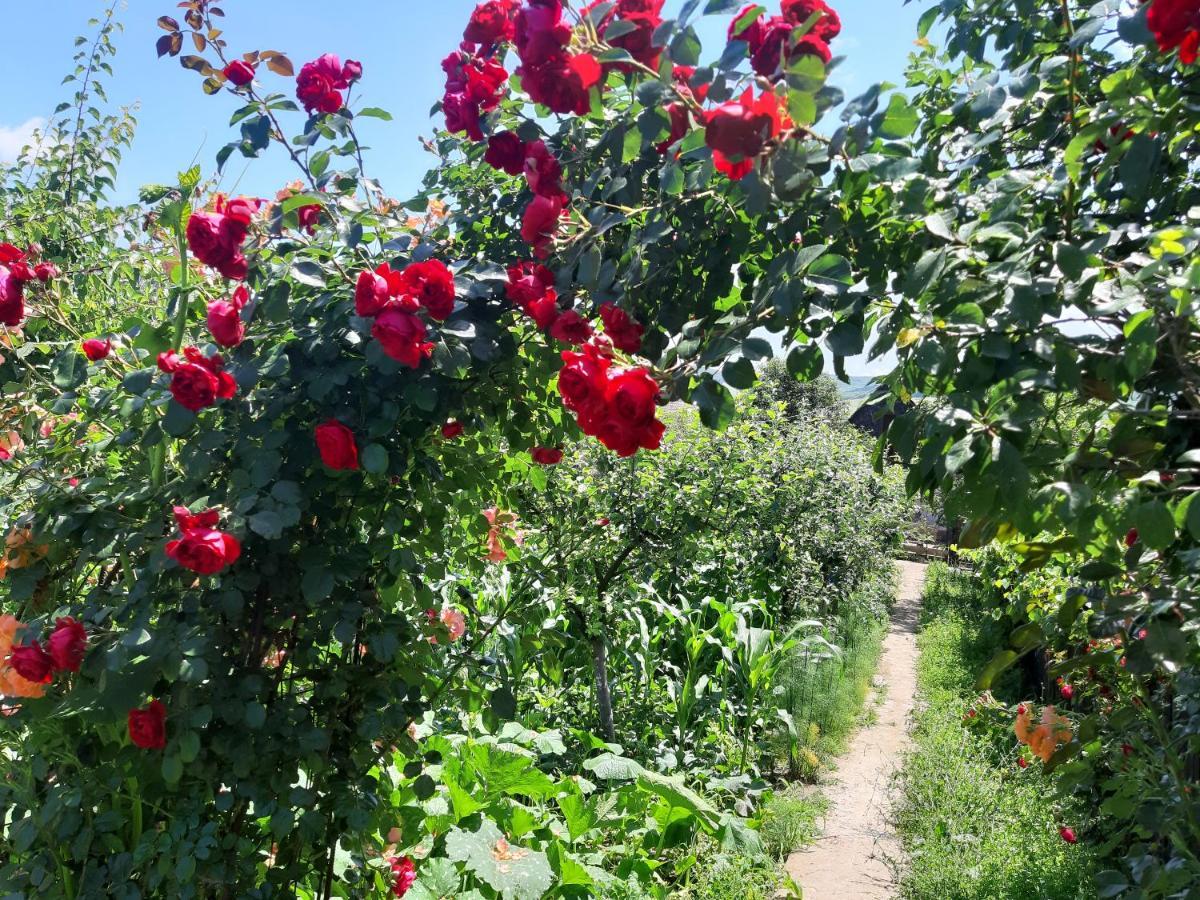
<point>847,862</point>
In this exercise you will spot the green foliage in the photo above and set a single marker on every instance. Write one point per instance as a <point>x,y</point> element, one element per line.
<point>974,824</point>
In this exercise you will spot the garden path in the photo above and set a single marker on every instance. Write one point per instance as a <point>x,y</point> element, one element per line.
<point>850,860</point>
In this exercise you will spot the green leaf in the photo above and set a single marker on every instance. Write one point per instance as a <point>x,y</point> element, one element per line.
<point>437,879</point>
<point>516,873</point>
<point>899,120</point>
<point>1187,515</point>
<point>317,584</point>
<point>308,272</point>
<point>805,362</point>
<point>675,792</point>
<point>1155,524</point>
<point>998,664</point>
<point>266,523</point>
<point>846,338</point>
<point>374,112</point>
<point>256,715</point>
<point>739,373</point>
<point>715,402</point>
<point>69,369</point>
<point>172,768</point>
<point>374,459</point>
<point>178,421</point>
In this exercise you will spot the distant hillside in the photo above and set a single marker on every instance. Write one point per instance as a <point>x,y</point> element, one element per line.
<point>859,388</point>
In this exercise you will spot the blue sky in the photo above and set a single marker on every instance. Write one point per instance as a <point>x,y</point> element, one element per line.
<point>400,49</point>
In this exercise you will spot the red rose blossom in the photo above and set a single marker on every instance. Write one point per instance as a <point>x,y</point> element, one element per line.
<point>738,131</point>
<point>372,291</point>
<point>197,381</point>
<point>541,32</point>
<point>1131,537</point>
<point>335,443</point>
<point>215,238</point>
<point>1176,24</point>
<point>563,82</point>
<point>404,875</point>
<point>474,85</point>
<point>797,12</point>
<point>506,153</point>
<point>583,381</point>
<point>225,318</point>
<point>95,349</point>
<point>239,72</point>
<point>743,29</point>
<point>320,83</point>
<point>544,310</point>
<point>431,284</point>
<point>12,298</point>
<point>201,548</point>
<point>1068,834</point>
<point>542,170</point>
<point>32,663</point>
<point>547,456</point>
<point>571,328</point>
<point>402,336</point>
<point>491,23</point>
<point>45,271</point>
<point>452,429</point>
<point>630,424</point>
<point>623,331</point>
<point>527,282</point>
<point>148,726</point>
<point>67,644</point>
<point>540,222</point>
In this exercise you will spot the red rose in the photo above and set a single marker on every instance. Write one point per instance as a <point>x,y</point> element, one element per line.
<point>352,71</point>
<point>563,82</point>
<point>473,85</point>
<point>1022,762</point>
<point>216,239</point>
<point>452,429</point>
<point>681,123</point>
<point>239,72</point>
<point>629,423</point>
<point>12,298</point>
<point>1131,537</point>
<point>148,726</point>
<point>623,331</point>
<point>542,170</point>
<point>571,328</point>
<point>1068,834</point>
<point>1176,23</point>
<point>583,381</point>
<point>775,47</point>
<point>431,284</point>
<point>402,336</point>
<point>491,23</point>
<point>540,222</point>
<point>32,663</point>
<point>225,318</point>
<point>547,456</point>
<point>738,131</point>
<point>307,217</point>
<point>743,29</point>
<point>645,16</point>
<point>197,381</point>
<point>201,547</point>
<point>527,282</point>
<point>371,293</point>
<point>506,153</point>
<point>1067,691</point>
<point>320,82</point>
<point>544,311</point>
<point>96,349</point>
<point>541,32</point>
<point>797,12</point>
<point>46,271</point>
<point>67,644</point>
<point>335,442</point>
<point>404,874</point>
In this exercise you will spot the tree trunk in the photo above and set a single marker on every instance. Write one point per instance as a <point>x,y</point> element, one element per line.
<point>603,695</point>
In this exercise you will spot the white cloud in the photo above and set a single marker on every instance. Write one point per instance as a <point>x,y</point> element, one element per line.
<point>13,139</point>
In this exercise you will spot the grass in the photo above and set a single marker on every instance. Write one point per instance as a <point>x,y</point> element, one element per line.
<point>974,825</point>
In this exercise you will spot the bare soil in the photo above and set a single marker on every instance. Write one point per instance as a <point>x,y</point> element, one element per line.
<point>851,859</point>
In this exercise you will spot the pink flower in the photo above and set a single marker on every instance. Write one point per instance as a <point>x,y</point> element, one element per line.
<point>404,873</point>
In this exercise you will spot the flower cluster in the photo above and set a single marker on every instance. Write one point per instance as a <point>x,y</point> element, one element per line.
<point>550,74</point>
<point>641,19</point>
<point>1046,737</point>
<point>501,522</point>
<point>616,405</point>
<point>679,112</point>
<point>543,173</point>
<point>225,318</point>
<point>25,668</point>
<point>772,42</point>
<point>197,381</point>
<point>320,83</point>
<point>1175,24</point>
<point>15,272</point>
<point>474,85</point>
<point>394,298</point>
<point>529,287</point>
<point>201,547</point>
<point>215,238</point>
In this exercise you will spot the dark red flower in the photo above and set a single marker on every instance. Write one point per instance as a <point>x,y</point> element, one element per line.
<point>563,82</point>
<point>148,726</point>
<point>216,238</point>
<point>541,32</point>
<point>622,330</point>
<point>200,547</point>
<point>320,83</point>
<point>401,334</point>
<point>1131,537</point>
<point>491,23</point>
<point>474,85</point>
<point>738,131</point>
<point>95,349</point>
<point>371,292</point>
<point>1176,24</point>
<point>452,429</point>
<point>67,644</point>
<point>1022,762</point>
<point>352,70</point>
<point>239,72</point>
<point>404,875</point>
<point>681,123</point>
<point>506,152</point>
<point>542,170</point>
<point>544,310</point>
<point>431,284</point>
<point>308,217</point>
<point>631,397</point>
<point>12,298</point>
<point>527,282</point>
<point>46,271</point>
<point>540,222</point>
<point>776,47</point>
<point>1068,834</point>
<point>742,28</point>
<point>571,328</point>
<point>583,381</point>
<point>335,443</point>
<point>32,663</point>
<point>547,456</point>
<point>797,12</point>
<point>225,318</point>
<point>645,16</point>
<point>197,381</point>
<point>1067,691</point>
